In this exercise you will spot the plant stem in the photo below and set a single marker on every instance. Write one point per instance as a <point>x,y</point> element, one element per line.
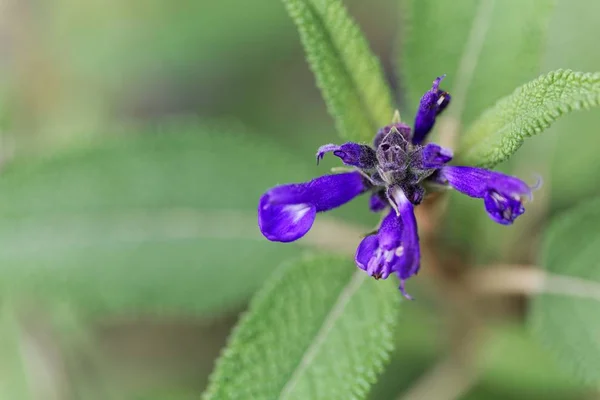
<point>529,280</point>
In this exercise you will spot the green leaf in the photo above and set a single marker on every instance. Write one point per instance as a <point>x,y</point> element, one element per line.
<point>14,380</point>
<point>469,41</point>
<point>512,358</point>
<point>572,35</point>
<point>566,315</point>
<point>160,221</point>
<point>532,108</point>
<point>348,74</point>
<point>320,329</point>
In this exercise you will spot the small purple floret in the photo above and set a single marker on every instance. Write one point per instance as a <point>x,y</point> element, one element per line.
<point>378,201</point>
<point>287,212</point>
<point>435,156</point>
<point>379,254</point>
<point>432,104</point>
<point>284,222</point>
<point>395,248</point>
<point>503,194</point>
<point>353,154</point>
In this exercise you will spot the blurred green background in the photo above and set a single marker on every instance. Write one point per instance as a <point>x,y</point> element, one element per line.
<point>137,137</point>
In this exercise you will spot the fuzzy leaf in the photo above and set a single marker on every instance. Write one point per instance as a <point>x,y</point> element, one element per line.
<point>349,75</point>
<point>566,317</point>
<point>573,33</point>
<point>153,222</point>
<point>319,329</point>
<point>532,108</point>
<point>465,40</point>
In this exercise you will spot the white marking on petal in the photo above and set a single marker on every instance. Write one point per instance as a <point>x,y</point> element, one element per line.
<point>400,197</point>
<point>397,199</point>
<point>399,251</point>
<point>373,264</point>
<point>297,211</point>
<point>388,256</point>
<point>497,196</point>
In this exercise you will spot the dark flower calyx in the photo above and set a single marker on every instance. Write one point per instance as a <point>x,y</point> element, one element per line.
<point>401,128</point>
<point>356,155</point>
<point>405,165</point>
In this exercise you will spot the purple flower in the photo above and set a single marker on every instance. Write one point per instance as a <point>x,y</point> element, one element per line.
<point>378,201</point>
<point>287,212</point>
<point>502,195</point>
<point>435,156</point>
<point>397,170</point>
<point>353,154</point>
<point>395,247</point>
<point>432,104</point>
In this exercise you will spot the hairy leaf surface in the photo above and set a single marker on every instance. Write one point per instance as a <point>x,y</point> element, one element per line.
<point>349,75</point>
<point>531,109</point>
<point>319,329</point>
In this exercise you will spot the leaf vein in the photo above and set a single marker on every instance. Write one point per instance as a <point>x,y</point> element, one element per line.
<point>358,278</point>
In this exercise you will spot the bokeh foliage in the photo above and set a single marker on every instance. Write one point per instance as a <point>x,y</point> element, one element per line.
<point>567,320</point>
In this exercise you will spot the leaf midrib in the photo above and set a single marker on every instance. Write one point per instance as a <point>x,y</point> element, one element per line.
<point>357,279</point>
<point>470,57</point>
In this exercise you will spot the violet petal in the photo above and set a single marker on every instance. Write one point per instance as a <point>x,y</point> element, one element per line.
<point>433,102</point>
<point>286,213</point>
<point>435,156</point>
<point>503,194</point>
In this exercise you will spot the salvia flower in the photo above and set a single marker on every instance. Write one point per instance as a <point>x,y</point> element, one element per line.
<point>397,171</point>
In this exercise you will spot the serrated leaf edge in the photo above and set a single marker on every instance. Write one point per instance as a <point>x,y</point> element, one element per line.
<point>472,145</point>
<point>356,281</point>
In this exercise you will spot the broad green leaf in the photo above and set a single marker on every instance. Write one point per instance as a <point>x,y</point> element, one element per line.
<point>319,329</point>
<point>348,74</point>
<point>566,315</point>
<point>532,108</point>
<point>160,221</point>
<point>469,41</point>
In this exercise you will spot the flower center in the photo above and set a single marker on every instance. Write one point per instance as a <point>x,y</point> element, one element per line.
<point>400,165</point>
